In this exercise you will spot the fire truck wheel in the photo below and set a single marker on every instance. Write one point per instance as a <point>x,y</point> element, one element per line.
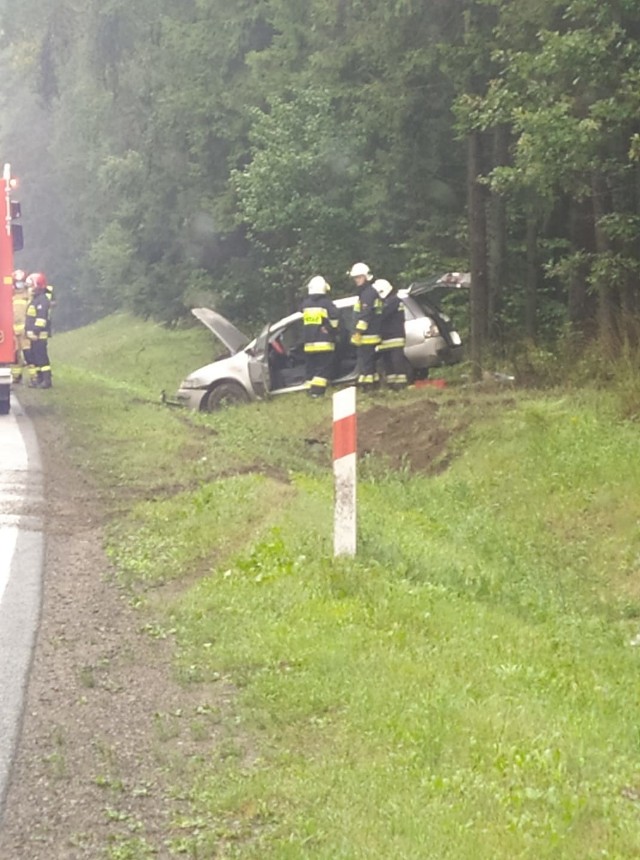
<point>5,406</point>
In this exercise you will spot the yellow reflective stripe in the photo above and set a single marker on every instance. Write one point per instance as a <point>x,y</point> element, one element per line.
<point>319,382</point>
<point>31,311</point>
<point>392,343</point>
<point>362,325</point>
<point>314,316</point>
<point>321,346</point>
<point>41,322</point>
<point>370,339</point>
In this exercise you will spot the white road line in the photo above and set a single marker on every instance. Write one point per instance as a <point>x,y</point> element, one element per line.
<point>8,541</point>
<point>14,451</point>
<point>14,487</point>
<point>21,566</point>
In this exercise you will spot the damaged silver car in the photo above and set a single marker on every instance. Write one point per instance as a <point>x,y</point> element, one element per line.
<point>273,362</point>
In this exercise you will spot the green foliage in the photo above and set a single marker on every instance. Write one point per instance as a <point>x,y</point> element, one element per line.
<point>297,193</point>
<point>188,152</point>
<point>249,149</point>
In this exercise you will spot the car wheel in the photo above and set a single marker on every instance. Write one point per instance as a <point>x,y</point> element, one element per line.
<point>5,406</point>
<point>223,395</point>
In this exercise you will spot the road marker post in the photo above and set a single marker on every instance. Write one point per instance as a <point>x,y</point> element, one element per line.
<point>344,471</point>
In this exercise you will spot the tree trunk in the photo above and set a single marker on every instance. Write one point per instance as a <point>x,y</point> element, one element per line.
<point>478,253</point>
<point>498,238</point>
<point>533,274</point>
<point>577,298</point>
<point>606,302</point>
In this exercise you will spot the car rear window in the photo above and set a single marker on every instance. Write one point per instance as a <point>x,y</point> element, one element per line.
<point>416,307</point>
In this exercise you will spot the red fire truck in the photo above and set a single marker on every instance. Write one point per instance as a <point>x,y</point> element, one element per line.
<point>10,241</point>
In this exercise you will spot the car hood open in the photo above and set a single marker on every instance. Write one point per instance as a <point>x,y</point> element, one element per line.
<point>231,337</point>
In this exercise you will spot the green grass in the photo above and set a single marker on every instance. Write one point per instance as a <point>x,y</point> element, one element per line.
<point>139,357</point>
<point>466,688</point>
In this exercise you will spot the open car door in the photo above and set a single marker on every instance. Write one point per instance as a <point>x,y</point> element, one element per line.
<point>259,372</point>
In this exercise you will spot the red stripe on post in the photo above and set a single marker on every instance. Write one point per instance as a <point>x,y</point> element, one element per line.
<point>344,437</point>
<point>344,471</point>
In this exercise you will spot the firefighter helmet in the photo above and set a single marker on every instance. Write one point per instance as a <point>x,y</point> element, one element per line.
<point>383,288</point>
<point>317,286</point>
<point>359,270</point>
<point>37,281</point>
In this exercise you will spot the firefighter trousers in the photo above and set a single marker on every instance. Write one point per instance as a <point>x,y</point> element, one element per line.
<point>39,360</point>
<point>319,366</point>
<point>395,367</point>
<point>368,376</point>
<point>23,359</point>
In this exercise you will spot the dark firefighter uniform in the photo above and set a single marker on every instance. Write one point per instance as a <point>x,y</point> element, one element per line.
<point>366,336</point>
<point>37,329</point>
<point>392,341</point>
<point>320,318</point>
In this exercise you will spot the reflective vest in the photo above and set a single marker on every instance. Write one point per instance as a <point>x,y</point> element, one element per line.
<point>38,318</point>
<point>392,323</point>
<point>368,310</point>
<point>320,318</point>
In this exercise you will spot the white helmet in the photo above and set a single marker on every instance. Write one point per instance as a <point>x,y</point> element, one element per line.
<point>317,286</point>
<point>359,269</point>
<point>382,287</point>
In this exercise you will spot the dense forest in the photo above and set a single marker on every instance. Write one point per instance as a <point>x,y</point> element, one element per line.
<point>206,151</point>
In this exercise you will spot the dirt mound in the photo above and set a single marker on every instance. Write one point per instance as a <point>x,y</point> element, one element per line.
<point>410,436</point>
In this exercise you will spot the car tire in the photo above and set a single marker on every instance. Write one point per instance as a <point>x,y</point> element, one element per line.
<point>223,395</point>
<point>5,407</point>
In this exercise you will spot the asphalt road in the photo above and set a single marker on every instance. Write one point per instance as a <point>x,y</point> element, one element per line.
<point>21,565</point>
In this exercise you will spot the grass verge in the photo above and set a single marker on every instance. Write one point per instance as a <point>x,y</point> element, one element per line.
<point>465,688</point>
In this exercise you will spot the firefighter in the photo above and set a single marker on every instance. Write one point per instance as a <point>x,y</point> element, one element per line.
<point>22,343</point>
<point>361,275</point>
<point>320,318</point>
<point>37,328</point>
<point>366,336</point>
<point>392,336</point>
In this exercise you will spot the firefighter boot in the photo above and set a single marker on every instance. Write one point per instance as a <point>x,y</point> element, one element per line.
<point>45,379</point>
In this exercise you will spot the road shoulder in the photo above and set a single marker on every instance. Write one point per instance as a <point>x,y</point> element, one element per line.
<point>96,760</point>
